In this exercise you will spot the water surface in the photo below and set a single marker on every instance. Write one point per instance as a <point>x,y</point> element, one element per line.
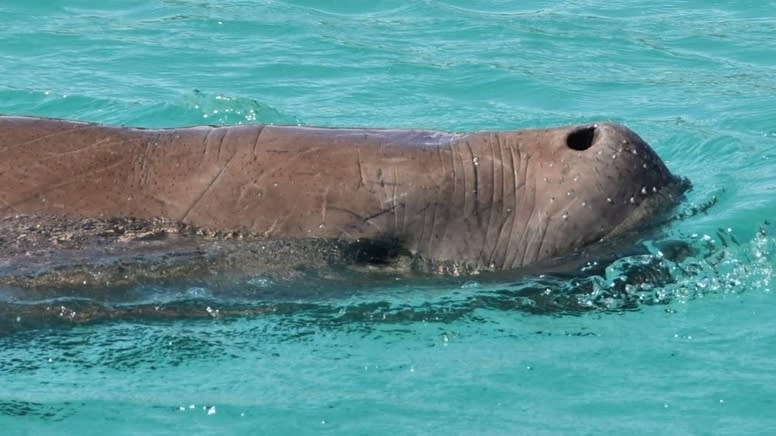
<point>688,347</point>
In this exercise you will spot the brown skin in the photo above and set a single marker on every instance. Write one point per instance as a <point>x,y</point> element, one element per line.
<point>497,200</point>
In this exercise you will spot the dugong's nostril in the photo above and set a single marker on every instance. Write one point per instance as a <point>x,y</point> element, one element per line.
<point>581,138</point>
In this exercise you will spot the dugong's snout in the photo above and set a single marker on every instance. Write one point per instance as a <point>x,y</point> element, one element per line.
<point>627,182</point>
<point>629,156</point>
<point>583,184</point>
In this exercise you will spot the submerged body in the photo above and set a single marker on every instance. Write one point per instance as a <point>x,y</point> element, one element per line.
<point>494,200</point>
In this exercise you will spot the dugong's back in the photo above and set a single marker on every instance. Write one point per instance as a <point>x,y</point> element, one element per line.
<point>276,181</point>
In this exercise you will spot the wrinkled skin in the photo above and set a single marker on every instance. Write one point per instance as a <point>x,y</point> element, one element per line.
<point>495,200</point>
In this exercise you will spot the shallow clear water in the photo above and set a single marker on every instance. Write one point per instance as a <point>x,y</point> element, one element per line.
<point>689,351</point>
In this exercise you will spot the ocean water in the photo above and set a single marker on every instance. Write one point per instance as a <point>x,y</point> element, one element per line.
<point>682,345</point>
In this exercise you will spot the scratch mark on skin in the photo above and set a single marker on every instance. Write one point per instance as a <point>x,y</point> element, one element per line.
<point>476,181</point>
<point>448,203</point>
<point>492,258</point>
<point>516,187</point>
<point>205,143</point>
<point>466,194</point>
<point>221,145</point>
<point>509,183</point>
<point>362,178</point>
<point>283,164</point>
<point>530,215</point>
<point>360,219</point>
<point>382,212</point>
<point>493,201</point>
<point>520,192</point>
<point>143,176</point>
<point>323,206</point>
<point>256,143</point>
<point>56,155</point>
<point>207,188</point>
<point>404,213</point>
<point>50,135</point>
<point>455,176</point>
<point>271,228</point>
<point>38,163</point>
<point>49,188</point>
<point>394,201</point>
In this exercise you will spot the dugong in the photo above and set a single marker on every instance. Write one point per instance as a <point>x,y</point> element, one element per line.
<point>492,200</point>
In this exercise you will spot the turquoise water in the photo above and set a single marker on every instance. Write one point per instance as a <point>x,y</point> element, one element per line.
<point>688,349</point>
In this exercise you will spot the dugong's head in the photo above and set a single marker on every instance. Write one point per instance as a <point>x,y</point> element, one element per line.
<point>562,189</point>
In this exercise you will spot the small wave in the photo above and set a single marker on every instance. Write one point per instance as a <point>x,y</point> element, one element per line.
<point>225,109</point>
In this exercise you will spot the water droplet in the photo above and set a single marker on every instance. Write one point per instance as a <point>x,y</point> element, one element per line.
<point>644,166</point>
<point>476,161</point>
<point>211,410</point>
<point>643,190</point>
<point>551,164</point>
<point>576,178</point>
<point>546,180</point>
<point>584,203</point>
<point>565,216</point>
<point>632,200</point>
<point>321,226</point>
<point>654,189</point>
<point>614,155</point>
<point>569,194</point>
<point>552,199</point>
<point>609,200</point>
